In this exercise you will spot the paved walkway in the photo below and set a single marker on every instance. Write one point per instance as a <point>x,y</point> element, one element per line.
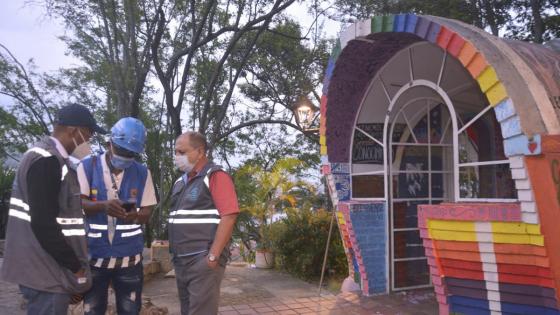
<point>255,291</point>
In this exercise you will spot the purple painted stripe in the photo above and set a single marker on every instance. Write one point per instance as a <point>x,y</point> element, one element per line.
<point>433,32</point>
<point>422,27</point>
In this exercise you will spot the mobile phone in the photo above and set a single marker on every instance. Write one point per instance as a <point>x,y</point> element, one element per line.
<point>129,206</point>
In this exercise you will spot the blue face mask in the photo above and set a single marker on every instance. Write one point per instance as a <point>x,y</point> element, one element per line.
<point>120,162</point>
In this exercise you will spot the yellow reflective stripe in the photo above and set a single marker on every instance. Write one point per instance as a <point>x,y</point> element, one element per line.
<point>64,172</point>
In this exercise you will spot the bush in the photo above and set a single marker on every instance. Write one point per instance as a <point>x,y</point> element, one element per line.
<point>299,243</point>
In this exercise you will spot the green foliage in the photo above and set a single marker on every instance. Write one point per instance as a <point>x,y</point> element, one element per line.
<point>7,176</point>
<point>299,242</point>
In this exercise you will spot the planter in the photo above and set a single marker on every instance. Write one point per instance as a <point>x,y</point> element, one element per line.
<point>264,259</point>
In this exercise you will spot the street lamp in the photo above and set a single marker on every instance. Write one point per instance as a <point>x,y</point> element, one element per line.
<point>306,113</point>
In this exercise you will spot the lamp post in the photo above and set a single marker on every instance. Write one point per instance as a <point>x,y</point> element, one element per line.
<point>306,113</point>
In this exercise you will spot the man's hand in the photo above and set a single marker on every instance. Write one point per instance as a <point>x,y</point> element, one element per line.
<point>212,264</point>
<point>131,216</point>
<point>113,208</point>
<point>144,214</point>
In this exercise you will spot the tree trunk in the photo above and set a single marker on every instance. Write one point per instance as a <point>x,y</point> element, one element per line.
<point>490,16</point>
<point>538,29</point>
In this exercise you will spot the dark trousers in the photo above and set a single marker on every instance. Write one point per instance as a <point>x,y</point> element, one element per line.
<point>127,284</point>
<point>43,303</point>
<point>198,284</point>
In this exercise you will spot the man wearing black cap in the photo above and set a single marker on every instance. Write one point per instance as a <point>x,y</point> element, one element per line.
<point>45,250</point>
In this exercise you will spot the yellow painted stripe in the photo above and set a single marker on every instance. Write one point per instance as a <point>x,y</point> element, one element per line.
<point>502,238</point>
<point>487,79</point>
<point>516,228</point>
<point>467,226</point>
<point>453,236</point>
<point>323,140</point>
<point>340,217</point>
<point>496,94</point>
<point>519,239</point>
<point>323,150</point>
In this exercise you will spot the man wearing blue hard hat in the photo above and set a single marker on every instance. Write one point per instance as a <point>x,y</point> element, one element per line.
<point>118,196</point>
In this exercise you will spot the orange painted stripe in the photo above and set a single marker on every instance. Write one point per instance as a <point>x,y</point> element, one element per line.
<point>459,246</point>
<point>520,249</point>
<point>477,65</point>
<point>469,256</point>
<point>444,37</point>
<point>456,45</point>
<point>522,260</point>
<point>467,53</point>
<point>323,107</point>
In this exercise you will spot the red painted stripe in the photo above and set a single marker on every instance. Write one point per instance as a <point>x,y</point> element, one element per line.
<point>526,270</point>
<point>455,46</point>
<point>444,37</point>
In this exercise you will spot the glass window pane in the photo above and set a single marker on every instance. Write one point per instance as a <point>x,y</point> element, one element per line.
<point>482,140</point>
<point>441,158</point>
<point>408,244</point>
<point>405,214</point>
<point>368,186</point>
<point>411,185</point>
<point>401,132</point>
<point>421,129</point>
<point>442,185</point>
<point>411,273</point>
<point>364,149</point>
<point>410,158</point>
<point>486,181</point>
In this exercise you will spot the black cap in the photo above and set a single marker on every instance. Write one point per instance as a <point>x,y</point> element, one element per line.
<point>77,116</point>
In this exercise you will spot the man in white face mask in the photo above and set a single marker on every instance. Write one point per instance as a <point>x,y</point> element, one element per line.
<point>201,219</point>
<point>45,252</point>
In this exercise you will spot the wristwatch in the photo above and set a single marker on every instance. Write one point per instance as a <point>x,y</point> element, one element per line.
<point>211,258</point>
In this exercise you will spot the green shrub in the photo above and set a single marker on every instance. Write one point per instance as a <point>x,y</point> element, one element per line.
<point>299,243</point>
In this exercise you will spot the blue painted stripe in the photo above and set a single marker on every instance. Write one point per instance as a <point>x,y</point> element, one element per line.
<point>527,309</point>
<point>411,21</point>
<point>456,300</point>
<point>399,23</point>
<point>433,32</point>
<point>504,110</point>
<point>511,127</point>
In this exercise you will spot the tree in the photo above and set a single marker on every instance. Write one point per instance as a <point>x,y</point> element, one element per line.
<point>113,38</point>
<point>264,193</point>
<point>535,20</point>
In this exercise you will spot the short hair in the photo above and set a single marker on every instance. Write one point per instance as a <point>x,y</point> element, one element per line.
<point>196,139</point>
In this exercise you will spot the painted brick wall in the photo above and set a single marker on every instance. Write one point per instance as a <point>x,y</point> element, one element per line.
<point>369,225</point>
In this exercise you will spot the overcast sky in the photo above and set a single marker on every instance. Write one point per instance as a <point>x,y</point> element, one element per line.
<point>28,33</point>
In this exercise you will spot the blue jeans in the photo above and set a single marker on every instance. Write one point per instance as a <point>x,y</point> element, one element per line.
<point>41,302</point>
<point>127,283</point>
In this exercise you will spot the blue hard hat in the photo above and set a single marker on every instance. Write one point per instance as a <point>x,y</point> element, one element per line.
<point>129,133</point>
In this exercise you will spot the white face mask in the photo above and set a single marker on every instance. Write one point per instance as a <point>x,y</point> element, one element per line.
<point>83,149</point>
<point>182,163</point>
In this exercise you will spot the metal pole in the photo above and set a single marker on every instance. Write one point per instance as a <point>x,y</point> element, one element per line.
<point>326,251</point>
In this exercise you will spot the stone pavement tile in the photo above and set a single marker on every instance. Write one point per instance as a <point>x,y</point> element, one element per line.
<point>248,311</point>
<point>296,305</point>
<point>264,309</point>
<point>225,308</point>
<point>255,305</point>
<point>280,307</point>
<point>287,312</point>
<point>273,303</point>
<point>306,299</point>
<point>241,307</point>
<point>229,313</point>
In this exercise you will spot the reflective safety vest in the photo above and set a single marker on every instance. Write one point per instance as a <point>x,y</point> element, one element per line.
<point>193,217</point>
<point>128,239</point>
<point>25,261</point>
